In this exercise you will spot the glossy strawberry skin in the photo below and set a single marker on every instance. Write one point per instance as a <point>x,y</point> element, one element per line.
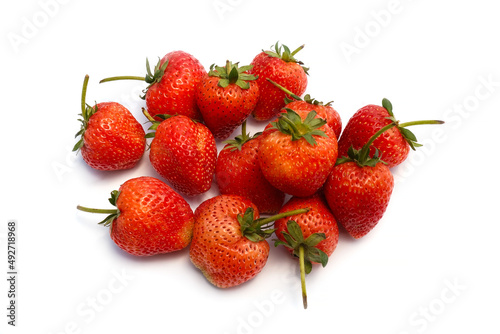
<point>238,173</point>
<point>184,153</point>
<point>288,74</point>
<point>218,248</point>
<point>113,139</point>
<point>359,196</point>
<point>224,109</point>
<point>153,218</point>
<point>296,167</point>
<point>326,112</point>
<point>319,219</point>
<point>176,91</point>
<point>393,147</point>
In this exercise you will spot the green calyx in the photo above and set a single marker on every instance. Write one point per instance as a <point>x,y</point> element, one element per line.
<point>232,74</point>
<point>291,124</point>
<point>284,53</point>
<point>362,156</point>
<point>152,77</point>
<point>87,112</point>
<point>260,229</point>
<point>305,249</point>
<point>112,213</point>
<point>238,141</point>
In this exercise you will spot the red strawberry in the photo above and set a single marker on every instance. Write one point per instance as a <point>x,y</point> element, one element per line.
<point>319,219</point>
<point>150,218</point>
<point>324,110</point>
<point>228,244</point>
<point>226,97</point>
<point>311,236</point>
<point>111,138</point>
<point>238,172</point>
<point>183,151</point>
<point>359,188</point>
<point>172,85</point>
<point>393,145</point>
<point>297,152</point>
<point>280,66</point>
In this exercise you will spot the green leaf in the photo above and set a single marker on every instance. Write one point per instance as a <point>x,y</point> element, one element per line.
<point>314,239</point>
<point>78,145</point>
<point>109,219</point>
<point>242,84</point>
<point>295,231</point>
<point>318,256</point>
<point>407,134</point>
<point>233,74</point>
<point>278,242</point>
<point>307,266</point>
<point>309,138</point>
<point>245,68</point>
<point>114,197</point>
<point>223,83</point>
<point>387,105</point>
<point>291,242</point>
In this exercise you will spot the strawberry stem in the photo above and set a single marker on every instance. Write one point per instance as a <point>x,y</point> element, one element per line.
<point>124,77</point>
<point>148,115</point>
<point>303,275</point>
<point>406,124</point>
<point>296,97</point>
<point>84,92</point>
<point>103,211</point>
<point>305,249</point>
<point>278,216</point>
<point>112,213</point>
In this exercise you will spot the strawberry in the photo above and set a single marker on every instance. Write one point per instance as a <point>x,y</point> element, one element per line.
<point>238,172</point>
<point>183,151</point>
<point>228,244</point>
<point>394,144</point>
<point>172,85</point>
<point>319,219</point>
<point>324,110</point>
<point>359,188</point>
<point>311,236</point>
<point>297,152</point>
<point>150,217</point>
<point>226,97</point>
<point>110,136</point>
<point>280,66</point>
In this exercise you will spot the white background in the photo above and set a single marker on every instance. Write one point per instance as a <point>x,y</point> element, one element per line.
<point>430,266</point>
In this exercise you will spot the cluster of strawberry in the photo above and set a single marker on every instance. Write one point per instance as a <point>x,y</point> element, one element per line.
<point>332,176</point>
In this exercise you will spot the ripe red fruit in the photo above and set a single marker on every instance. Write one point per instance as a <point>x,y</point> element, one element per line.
<point>226,97</point>
<point>358,196</point>
<point>183,151</point>
<point>228,244</point>
<point>310,236</point>
<point>238,172</point>
<point>319,219</point>
<point>150,218</point>
<point>393,145</point>
<point>111,138</point>
<point>280,66</point>
<point>172,85</point>
<point>297,152</point>
<point>359,188</point>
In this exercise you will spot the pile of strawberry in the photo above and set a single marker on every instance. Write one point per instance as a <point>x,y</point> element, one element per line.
<point>331,175</point>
